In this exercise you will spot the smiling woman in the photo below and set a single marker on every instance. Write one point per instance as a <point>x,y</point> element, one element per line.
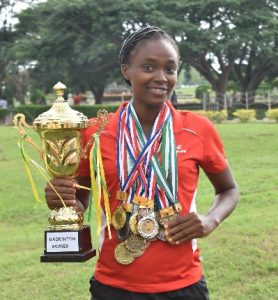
<point>151,156</point>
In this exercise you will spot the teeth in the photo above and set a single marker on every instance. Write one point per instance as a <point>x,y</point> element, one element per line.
<point>157,90</point>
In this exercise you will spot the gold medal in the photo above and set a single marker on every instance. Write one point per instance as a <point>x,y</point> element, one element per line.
<point>123,255</point>
<point>119,218</point>
<point>135,243</point>
<point>166,218</point>
<point>148,227</point>
<point>133,223</point>
<point>138,253</point>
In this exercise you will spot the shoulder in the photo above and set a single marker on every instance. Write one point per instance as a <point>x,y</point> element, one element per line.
<point>95,124</point>
<point>195,123</point>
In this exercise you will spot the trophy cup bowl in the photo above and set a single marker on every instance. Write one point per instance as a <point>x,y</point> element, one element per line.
<point>67,238</point>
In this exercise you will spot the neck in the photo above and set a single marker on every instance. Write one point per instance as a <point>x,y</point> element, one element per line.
<point>146,116</point>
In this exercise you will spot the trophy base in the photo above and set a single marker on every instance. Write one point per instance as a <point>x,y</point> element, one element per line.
<point>68,245</point>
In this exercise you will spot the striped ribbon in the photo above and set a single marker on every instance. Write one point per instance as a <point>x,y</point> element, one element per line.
<point>147,166</point>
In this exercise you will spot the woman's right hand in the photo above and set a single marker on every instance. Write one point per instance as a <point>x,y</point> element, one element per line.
<point>66,189</point>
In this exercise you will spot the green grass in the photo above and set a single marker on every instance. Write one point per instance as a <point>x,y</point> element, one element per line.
<point>239,258</point>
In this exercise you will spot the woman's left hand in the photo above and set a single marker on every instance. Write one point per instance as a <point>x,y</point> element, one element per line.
<point>188,227</point>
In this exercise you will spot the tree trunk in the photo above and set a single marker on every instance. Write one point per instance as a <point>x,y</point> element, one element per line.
<point>98,93</point>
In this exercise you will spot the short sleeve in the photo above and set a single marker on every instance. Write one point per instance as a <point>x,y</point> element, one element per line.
<point>214,160</point>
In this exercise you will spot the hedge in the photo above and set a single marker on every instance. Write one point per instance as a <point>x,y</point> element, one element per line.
<point>31,111</point>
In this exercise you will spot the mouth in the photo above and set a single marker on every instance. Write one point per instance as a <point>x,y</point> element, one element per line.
<point>159,90</point>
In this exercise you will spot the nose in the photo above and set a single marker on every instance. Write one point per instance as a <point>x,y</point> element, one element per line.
<point>161,76</point>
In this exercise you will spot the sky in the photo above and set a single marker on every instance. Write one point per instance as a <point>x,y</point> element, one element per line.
<point>18,6</point>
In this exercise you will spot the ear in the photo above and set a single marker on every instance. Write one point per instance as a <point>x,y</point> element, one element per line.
<point>124,70</point>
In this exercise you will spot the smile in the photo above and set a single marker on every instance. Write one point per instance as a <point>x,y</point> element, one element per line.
<point>159,91</point>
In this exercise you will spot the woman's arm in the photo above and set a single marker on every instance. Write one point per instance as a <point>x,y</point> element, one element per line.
<point>193,225</point>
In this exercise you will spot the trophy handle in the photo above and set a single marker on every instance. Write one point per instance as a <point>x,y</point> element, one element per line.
<point>19,122</point>
<point>102,121</point>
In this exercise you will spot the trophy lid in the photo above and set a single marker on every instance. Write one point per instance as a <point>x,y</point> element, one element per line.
<point>60,115</point>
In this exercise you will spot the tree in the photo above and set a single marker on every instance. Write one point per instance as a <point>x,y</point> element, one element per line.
<point>77,42</point>
<point>214,35</point>
<point>12,76</point>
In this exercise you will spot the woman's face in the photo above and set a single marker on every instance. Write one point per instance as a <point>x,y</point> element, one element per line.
<point>152,71</point>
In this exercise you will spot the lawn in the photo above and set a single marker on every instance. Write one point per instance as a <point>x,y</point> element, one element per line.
<point>239,258</point>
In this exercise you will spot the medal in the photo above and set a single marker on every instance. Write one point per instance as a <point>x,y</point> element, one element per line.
<point>124,232</point>
<point>135,243</point>
<point>161,234</point>
<point>143,212</point>
<point>123,255</point>
<point>163,220</point>
<point>119,218</point>
<point>148,227</point>
<point>133,224</point>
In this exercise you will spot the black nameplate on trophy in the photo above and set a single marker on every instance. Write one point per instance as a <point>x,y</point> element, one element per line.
<point>68,245</point>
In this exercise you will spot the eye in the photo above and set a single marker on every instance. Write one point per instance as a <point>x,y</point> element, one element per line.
<point>148,68</point>
<point>171,70</point>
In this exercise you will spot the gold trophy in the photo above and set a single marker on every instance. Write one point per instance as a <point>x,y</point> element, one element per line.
<point>67,238</point>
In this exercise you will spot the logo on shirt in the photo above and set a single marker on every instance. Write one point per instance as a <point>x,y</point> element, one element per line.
<point>180,150</point>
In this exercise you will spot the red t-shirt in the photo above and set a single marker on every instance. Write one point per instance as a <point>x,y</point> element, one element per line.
<point>163,267</point>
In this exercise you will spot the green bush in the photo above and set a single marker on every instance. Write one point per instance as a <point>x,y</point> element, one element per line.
<point>214,115</point>
<point>199,91</point>
<point>91,110</point>
<point>36,95</point>
<point>116,98</point>
<point>245,115</point>
<point>31,111</point>
<point>272,114</point>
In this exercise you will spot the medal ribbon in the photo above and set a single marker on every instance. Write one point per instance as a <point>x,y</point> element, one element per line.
<point>168,159</point>
<point>138,164</point>
<point>127,179</point>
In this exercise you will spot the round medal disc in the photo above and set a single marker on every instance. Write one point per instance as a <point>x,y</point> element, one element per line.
<point>135,243</point>
<point>119,218</point>
<point>148,227</point>
<point>123,255</point>
<point>133,224</point>
<point>143,212</point>
<point>165,220</point>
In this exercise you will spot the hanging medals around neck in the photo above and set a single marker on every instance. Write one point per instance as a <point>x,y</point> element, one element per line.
<point>161,234</point>
<point>119,218</point>
<point>147,172</point>
<point>122,255</point>
<point>133,223</point>
<point>124,232</point>
<point>135,243</point>
<point>148,227</point>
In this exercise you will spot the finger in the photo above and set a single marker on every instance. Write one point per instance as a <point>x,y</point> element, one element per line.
<point>62,182</point>
<point>58,203</point>
<point>187,233</point>
<point>54,196</point>
<point>188,238</point>
<point>60,190</point>
<point>179,220</point>
<point>179,234</point>
<point>179,227</point>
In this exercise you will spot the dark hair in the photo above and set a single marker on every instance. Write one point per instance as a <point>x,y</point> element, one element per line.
<point>146,33</point>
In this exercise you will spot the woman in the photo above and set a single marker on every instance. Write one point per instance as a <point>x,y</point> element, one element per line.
<point>151,155</point>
